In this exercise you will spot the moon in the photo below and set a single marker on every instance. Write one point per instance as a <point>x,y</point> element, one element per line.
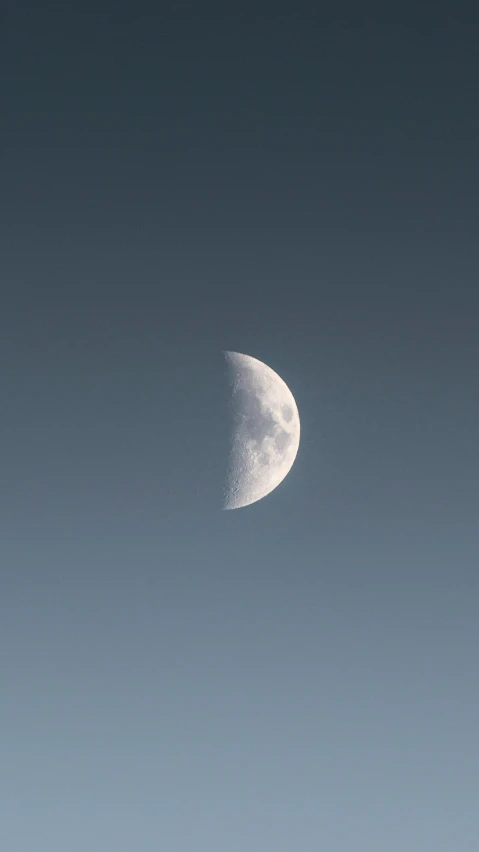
<point>265,437</point>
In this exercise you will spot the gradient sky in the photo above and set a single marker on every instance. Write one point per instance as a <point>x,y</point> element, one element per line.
<point>301,185</point>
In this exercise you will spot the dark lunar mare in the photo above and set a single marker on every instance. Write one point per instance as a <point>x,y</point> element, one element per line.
<point>259,423</point>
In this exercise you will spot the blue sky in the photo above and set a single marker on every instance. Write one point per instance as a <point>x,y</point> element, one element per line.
<point>298,674</point>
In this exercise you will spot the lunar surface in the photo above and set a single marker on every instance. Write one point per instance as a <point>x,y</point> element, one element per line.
<point>265,437</point>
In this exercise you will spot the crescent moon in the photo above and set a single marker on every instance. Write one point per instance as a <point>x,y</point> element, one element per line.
<point>265,436</point>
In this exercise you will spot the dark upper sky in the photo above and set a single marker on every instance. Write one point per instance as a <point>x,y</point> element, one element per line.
<point>300,185</point>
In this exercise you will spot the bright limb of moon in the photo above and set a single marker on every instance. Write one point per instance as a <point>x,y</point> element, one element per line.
<point>265,438</point>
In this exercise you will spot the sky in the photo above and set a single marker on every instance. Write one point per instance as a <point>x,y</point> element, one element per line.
<point>299,184</point>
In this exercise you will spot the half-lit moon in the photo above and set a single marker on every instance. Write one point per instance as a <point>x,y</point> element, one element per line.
<point>265,436</point>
